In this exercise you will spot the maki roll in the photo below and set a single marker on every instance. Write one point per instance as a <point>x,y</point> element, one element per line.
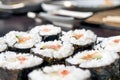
<point>102,64</point>
<point>53,51</point>
<point>3,45</point>
<point>80,38</point>
<point>21,41</point>
<point>16,66</point>
<point>111,44</point>
<point>48,32</point>
<point>59,72</point>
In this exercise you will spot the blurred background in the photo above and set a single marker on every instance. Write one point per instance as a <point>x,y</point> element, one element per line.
<point>101,16</point>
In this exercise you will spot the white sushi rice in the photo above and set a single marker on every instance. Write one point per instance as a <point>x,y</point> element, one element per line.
<point>99,59</point>
<point>98,46</point>
<point>56,72</point>
<point>3,45</point>
<point>65,49</point>
<point>52,30</point>
<point>13,41</point>
<point>111,44</point>
<point>12,60</point>
<point>87,37</point>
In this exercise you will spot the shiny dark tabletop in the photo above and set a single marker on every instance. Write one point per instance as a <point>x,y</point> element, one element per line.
<point>23,23</point>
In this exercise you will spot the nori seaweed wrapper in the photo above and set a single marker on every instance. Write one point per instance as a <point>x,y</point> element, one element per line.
<point>100,73</point>
<point>51,37</point>
<point>81,48</point>
<point>114,70</point>
<point>17,74</point>
<point>49,60</point>
<point>25,50</point>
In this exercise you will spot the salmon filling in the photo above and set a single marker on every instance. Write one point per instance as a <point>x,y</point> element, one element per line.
<point>65,72</point>
<point>22,59</point>
<point>55,47</point>
<point>46,30</point>
<point>92,56</point>
<point>23,39</point>
<point>77,36</point>
<point>116,40</point>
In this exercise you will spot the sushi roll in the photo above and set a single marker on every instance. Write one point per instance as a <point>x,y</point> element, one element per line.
<point>111,44</point>
<point>53,51</point>
<point>80,38</point>
<point>15,66</point>
<point>21,41</point>
<point>60,72</point>
<point>102,64</point>
<point>48,32</point>
<point>3,45</point>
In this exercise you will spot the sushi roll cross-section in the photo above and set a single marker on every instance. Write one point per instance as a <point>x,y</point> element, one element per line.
<point>102,64</point>
<point>80,38</point>
<point>53,51</point>
<point>111,44</point>
<point>21,41</point>
<point>48,32</point>
<point>16,66</point>
<point>60,72</point>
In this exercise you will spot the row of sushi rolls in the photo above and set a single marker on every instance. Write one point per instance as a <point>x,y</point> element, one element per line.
<point>46,52</point>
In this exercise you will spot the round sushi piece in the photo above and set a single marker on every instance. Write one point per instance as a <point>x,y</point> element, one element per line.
<point>60,72</point>
<point>53,51</point>
<point>111,44</point>
<point>102,64</point>
<point>80,38</point>
<point>13,60</point>
<point>48,32</point>
<point>21,41</point>
<point>16,66</point>
<point>3,45</point>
